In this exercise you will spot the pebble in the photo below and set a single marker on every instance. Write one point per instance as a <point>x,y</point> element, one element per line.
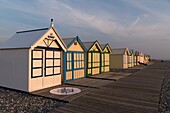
<point>164,105</point>
<point>12,101</point>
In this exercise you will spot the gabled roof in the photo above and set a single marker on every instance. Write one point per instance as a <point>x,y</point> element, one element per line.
<point>70,41</point>
<point>120,51</point>
<point>103,46</point>
<point>67,41</point>
<point>26,39</point>
<point>89,45</point>
<point>131,51</point>
<point>136,53</point>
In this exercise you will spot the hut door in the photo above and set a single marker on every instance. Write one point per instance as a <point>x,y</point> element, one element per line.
<point>52,68</point>
<point>95,63</point>
<point>52,63</point>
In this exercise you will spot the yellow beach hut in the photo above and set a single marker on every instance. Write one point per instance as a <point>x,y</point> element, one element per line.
<point>74,59</point>
<point>119,58</point>
<point>105,63</point>
<point>32,60</point>
<point>93,60</point>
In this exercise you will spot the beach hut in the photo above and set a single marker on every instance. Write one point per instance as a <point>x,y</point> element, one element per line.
<point>137,54</point>
<point>135,58</point>
<point>93,60</point>
<point>146,58</point>
<point>32,60</point>
<point>74,59</point>
<point>132,56</point>
<point>141,57</point>
<point>105,63</point>
<point>119,58</point>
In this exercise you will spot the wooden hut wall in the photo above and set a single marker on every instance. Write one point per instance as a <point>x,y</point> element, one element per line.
<point>74,62</point>
<point>93,60</point>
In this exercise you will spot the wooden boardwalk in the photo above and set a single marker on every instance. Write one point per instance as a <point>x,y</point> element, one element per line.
<point>135,93</point>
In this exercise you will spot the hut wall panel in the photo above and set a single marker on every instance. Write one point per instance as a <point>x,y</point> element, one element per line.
<point>49,81</point>
<point>36,83</point>
<point>74,47</point>
<point>129,61</point>
<point>106,68</point>
<point>78,73</point>
<point>13,76</point>
<point>69,75</point>
<point>53,44</point>
<point>116,61</point>
<point>125,61</point>
<point>95,71</point>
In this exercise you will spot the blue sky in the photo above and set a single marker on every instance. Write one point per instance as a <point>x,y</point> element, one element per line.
<point>142,25</point>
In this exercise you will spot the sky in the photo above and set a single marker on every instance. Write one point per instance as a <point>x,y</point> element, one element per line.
<point>142,25</point>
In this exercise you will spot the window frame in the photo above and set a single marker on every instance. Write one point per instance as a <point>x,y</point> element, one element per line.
<point>53,66</point>
<point>78,61</point>
<point>32,60</point>
<point>69,61</point>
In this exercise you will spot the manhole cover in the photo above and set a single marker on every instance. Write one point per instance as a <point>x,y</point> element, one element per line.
<point>65,91</point>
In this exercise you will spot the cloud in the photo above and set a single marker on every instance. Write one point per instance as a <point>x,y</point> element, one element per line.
<point>136,21</point>
<point>143,30</point>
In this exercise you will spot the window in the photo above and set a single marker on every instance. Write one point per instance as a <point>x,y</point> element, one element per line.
<point>37,63</point>
<point>78,60</point>
<point>96,60</point>
<point>106,59</point>
<point>52,63</point>
<point>69,61</point>
<point>89,60</point>
<point>103,59</point>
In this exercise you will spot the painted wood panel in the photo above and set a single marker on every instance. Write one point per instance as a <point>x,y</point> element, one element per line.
<point>55,42</point>
<point>76,47</point>
<point>74,65</point>
<point>50,72</point>
<point>116,62</point>
<point>93,63</point>
<point>14,68</point>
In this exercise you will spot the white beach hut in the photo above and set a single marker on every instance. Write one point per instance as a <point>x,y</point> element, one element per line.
<point>32,60</point>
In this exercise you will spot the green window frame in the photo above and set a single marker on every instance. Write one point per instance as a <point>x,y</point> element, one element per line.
<point>95,59</point>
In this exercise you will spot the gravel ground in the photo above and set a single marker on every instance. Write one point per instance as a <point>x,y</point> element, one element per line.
<point>12,101</point>
<point>164,104</point>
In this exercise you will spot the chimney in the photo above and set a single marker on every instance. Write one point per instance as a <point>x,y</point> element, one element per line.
<point>52,23</point>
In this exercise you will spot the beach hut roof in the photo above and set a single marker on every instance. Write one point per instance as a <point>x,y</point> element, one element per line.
<point>70,41</point>
<point>120,51</point>
<point>25,39</point>
<point>89,45</point>
<point>103,46</point>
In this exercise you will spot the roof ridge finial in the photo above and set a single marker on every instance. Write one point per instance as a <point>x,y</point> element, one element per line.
<point>52,23</point>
